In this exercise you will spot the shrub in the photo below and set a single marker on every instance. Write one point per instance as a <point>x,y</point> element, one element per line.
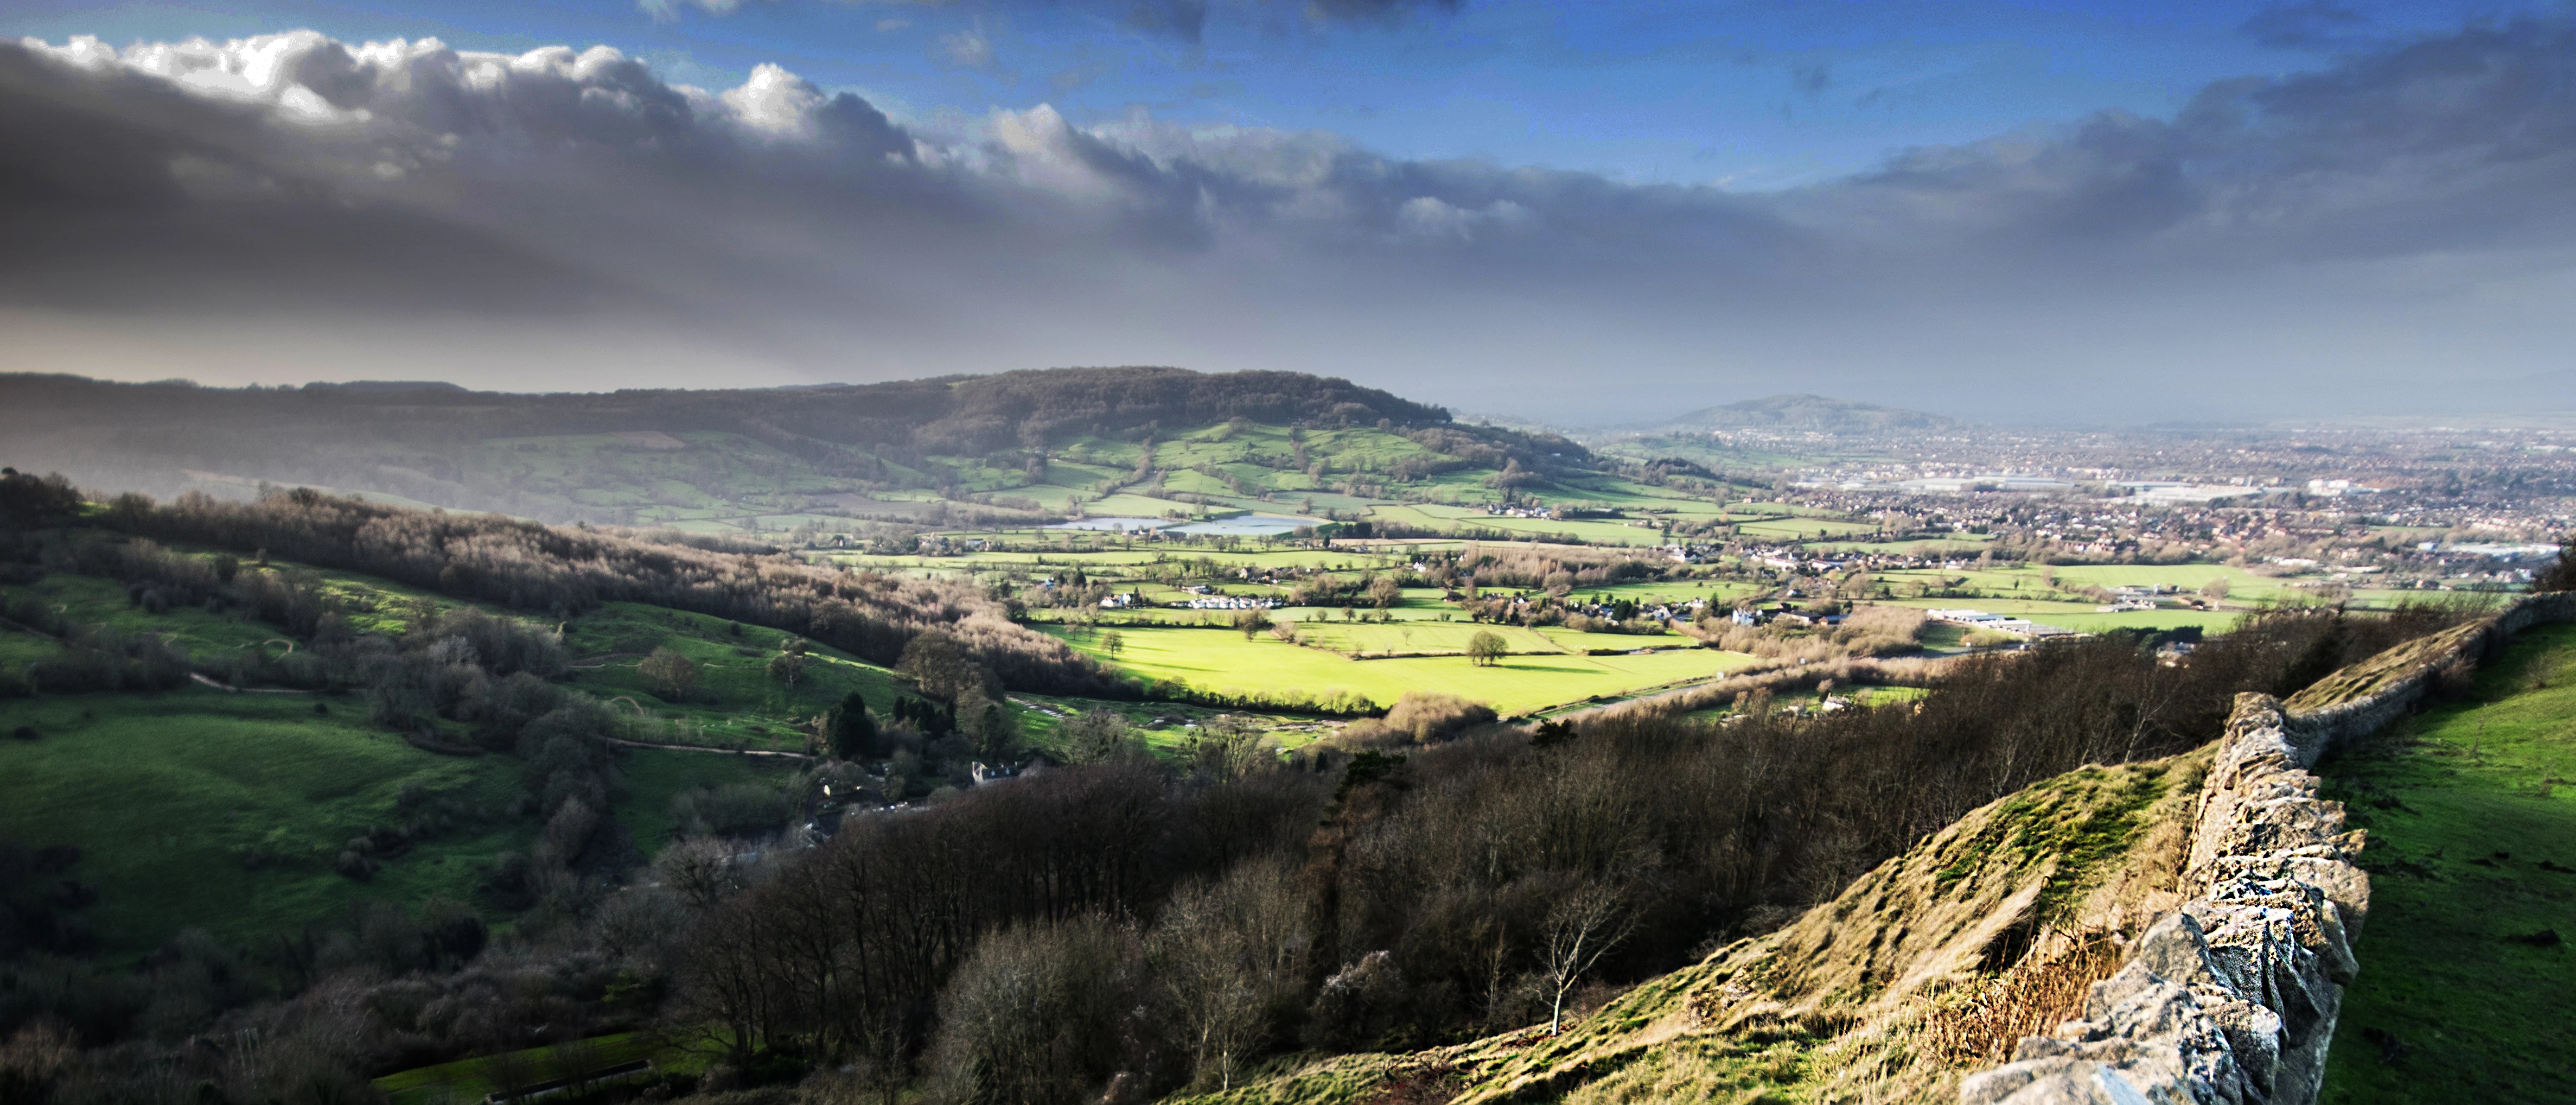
<point>1420,717</point>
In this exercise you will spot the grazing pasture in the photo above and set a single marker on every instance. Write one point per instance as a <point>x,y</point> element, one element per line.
<point>2465,975</point>
<point>227,811</point>
<point>1225,661</point>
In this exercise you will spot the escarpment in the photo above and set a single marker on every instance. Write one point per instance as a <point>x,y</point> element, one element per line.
<point>2165,931</point>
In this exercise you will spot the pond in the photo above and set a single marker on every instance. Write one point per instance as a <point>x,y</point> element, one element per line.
<point>1122,525</point>
<point>1246,525</point>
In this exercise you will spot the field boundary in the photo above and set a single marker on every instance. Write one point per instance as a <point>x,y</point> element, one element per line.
<point>2234,996</point>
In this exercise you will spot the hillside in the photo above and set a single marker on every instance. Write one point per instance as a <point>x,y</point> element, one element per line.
<point>2100,930</point>
<point>2464,977</point>
<point>1805,414</point>
<point>1931,964</point>
<point>1018,445</point>
<point>299,737</point>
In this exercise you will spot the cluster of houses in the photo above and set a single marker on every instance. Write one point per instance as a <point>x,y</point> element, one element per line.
<point>2143,597</point>
<point>1660,612</point>
<point>1751,616</point>
<point>1204,597</point>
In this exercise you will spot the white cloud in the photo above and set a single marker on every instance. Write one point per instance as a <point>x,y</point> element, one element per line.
<point>967,48</point>
<point>292,170</point>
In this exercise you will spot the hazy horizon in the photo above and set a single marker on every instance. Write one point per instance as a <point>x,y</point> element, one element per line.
<point>2286,212</point>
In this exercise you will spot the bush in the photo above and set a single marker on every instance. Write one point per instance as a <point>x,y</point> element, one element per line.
<point>734,810</point>
<point>1420,717</point>
<point>1034,1016</point>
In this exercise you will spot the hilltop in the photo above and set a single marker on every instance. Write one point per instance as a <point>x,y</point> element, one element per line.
<point>1807,413</point>
<point>1028,443</point>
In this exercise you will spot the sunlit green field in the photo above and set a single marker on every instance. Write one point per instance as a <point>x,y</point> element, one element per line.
<point>2243,585</point>
<point>1223,660</point>
<point>1410,637</point>
<point>2083,617</point>
<point>1802,529</point>
<point>2467,989</point>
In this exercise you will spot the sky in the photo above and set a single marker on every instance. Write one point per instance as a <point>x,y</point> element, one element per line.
<point>1583,213</point>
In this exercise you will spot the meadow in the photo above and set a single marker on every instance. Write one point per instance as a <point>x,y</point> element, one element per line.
<point>202,808</point>
<point>1225,661</point>
<point>736,702</point>
<point>229,810</point>
<point>2083,616</point>
<point>2465,980</point>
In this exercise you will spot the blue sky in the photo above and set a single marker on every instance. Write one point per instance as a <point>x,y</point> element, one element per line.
<point>2070,213</point>
<point>1746,95</point>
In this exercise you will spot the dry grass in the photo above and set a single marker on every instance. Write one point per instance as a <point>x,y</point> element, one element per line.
<point>1435,1084</point>
<point>1982,1024</point>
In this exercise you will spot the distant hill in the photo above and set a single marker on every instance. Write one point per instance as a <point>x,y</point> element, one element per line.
<point>1814,413</point>
<point>765,457</point>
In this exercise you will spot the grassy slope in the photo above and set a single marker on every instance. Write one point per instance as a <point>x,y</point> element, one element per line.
<point>1834,1006</point>
<point>2462,807</point>
<point>166,794</point>
<point>735,703</point>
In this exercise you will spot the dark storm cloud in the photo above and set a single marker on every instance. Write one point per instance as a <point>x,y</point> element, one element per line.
<point>2460,142</point>
<point>292,171</point>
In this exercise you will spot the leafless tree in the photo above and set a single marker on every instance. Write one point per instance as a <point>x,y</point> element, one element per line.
<point>1223,956</point>
<point>1591,918</point>
<point>672,675</point>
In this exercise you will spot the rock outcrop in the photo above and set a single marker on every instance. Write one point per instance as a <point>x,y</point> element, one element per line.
<point>2233,997</point>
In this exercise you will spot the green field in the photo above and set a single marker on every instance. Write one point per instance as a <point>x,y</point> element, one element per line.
<point>1403,638</point>
<point>472,1079</point>
<point>736,703</point>
<point>1224,661</point>
<point>229,810</point>
<point>2083,617</point>
<point>654,775</point>
<point>168,795</point>
<point>2472,856</point>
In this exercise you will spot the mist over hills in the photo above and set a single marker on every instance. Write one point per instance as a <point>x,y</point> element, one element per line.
<point>441,444</point>
<point>1804,412</point>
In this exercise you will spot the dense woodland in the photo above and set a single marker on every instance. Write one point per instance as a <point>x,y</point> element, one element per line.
<point>1118,926</point>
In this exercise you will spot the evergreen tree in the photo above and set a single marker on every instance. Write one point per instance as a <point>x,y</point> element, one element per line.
<point>854,729</point>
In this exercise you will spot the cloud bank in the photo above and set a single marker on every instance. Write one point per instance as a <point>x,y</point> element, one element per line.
<point>2347,239</point>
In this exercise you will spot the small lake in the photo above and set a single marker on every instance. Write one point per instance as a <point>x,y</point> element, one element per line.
<point>1122,525</point>
<point>1245,525</point>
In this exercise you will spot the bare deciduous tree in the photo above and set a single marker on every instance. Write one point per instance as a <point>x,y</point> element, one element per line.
<point>1591,918</point>
<point>672,675</point>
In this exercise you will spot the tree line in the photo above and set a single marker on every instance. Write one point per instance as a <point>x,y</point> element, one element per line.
<point>1443,889</point>
<point>562,571</point>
